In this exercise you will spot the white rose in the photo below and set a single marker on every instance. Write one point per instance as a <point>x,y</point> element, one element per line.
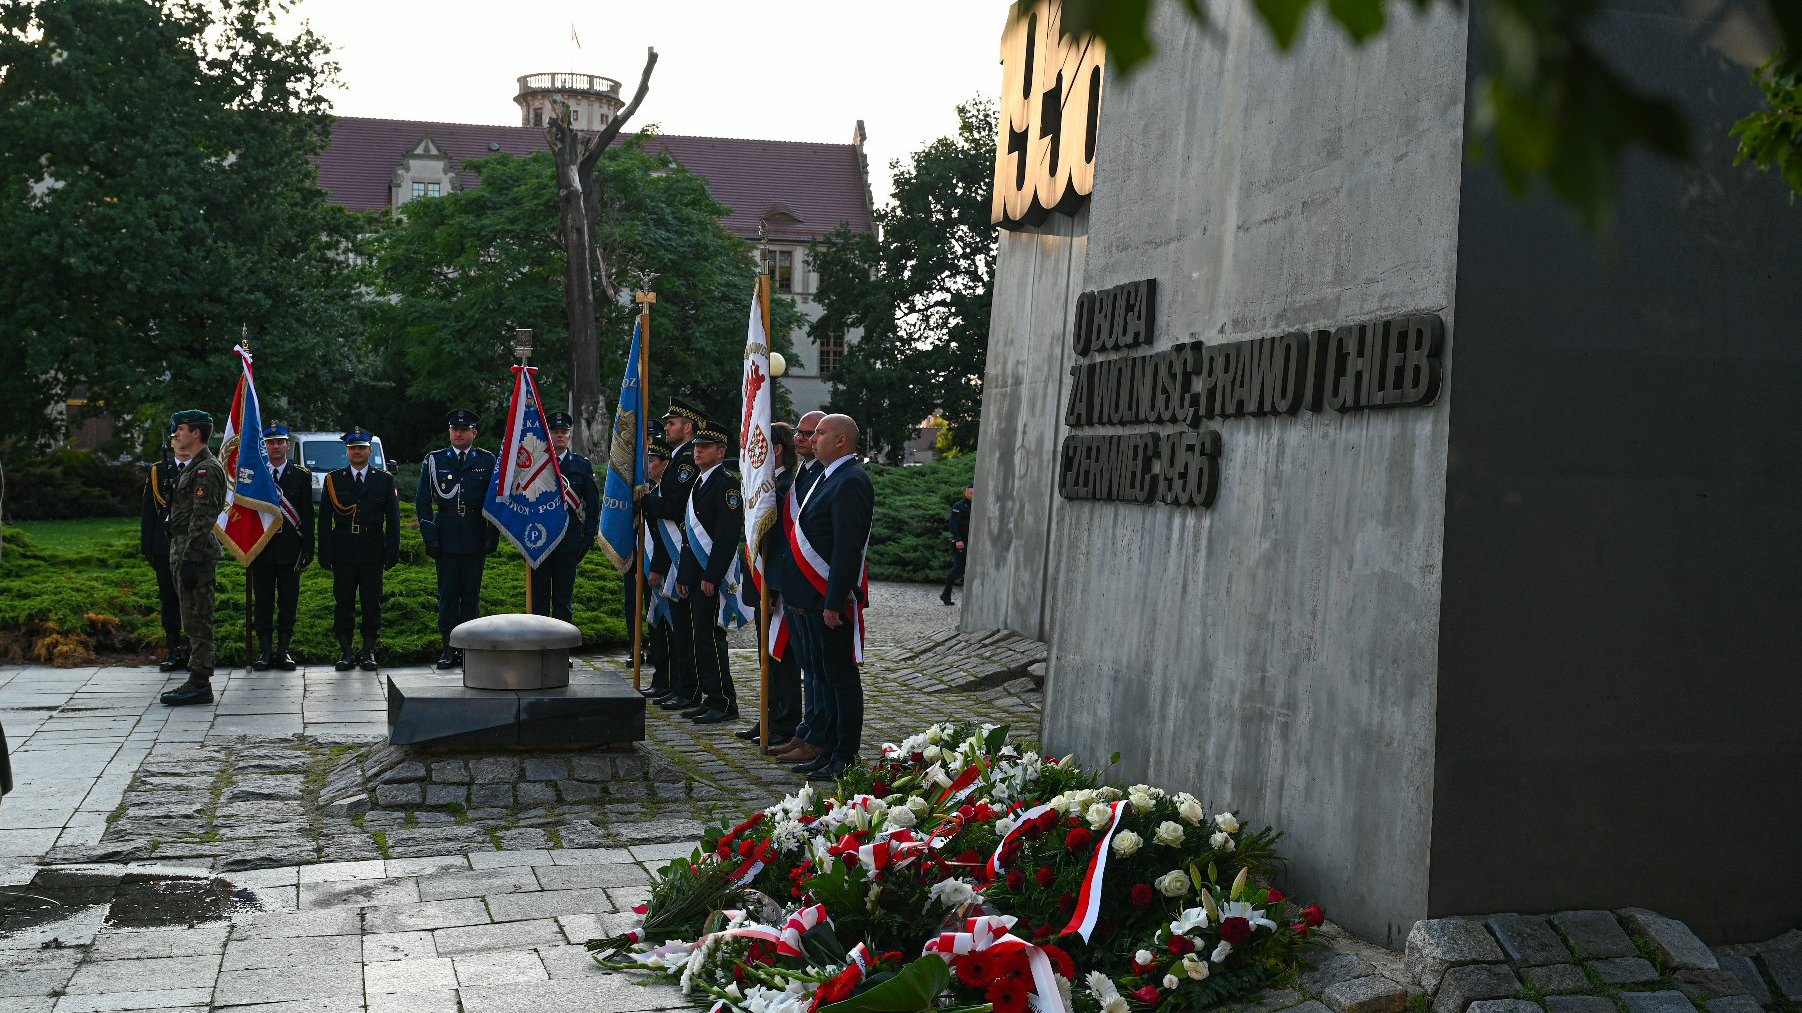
<point>1107,793</point>
<point>1126,842</point>
<point>1003,825</point>
<point>1227,822</point>
<point>933,736</point>
<point>1141,803</point>
<point>1195,967</point>
<point>901,816</point>
<point>1170,981</point>
<point>951,892</point>
<point>919,806</point>
<point>1190,809</point>
<point>1169,834</point>
<point>932,753</point>
<point>1221,951</point>
<point>1142,958</point>
<point>1174,883</point>
<point>1220,842</point>
<point>1099,815</point>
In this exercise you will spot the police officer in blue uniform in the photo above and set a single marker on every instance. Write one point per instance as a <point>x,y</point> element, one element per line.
<point>359,538</point>
<point>667,500</point>
<point>554,580</point>
<point>453,486</point>
<point>657,535</point>
<point>712,532</point>
<point>275,573</point>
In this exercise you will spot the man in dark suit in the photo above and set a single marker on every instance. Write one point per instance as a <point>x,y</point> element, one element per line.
<point>806,470</point>
<point>153,542</point>
<point>275,574</point>
<point>554,581</point>
<point>824,596</point>
<point>668,501</point>
<point>359,538</point>
<point>957,532</point>
<point>785,672</point>
<point>711,534</point>
<point>659,537</point>
<point>453,486</point>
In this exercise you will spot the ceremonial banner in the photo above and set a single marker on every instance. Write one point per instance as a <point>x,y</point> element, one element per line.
<point>757,461</point>
<point>253,502</point>
<point>626,466</point>
<point>526,499</point>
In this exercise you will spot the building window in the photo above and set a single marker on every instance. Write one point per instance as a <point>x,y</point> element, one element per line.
<point>575,114</point>
<point>832,349</point>
<point>780,266</point>
<point>538,117</point>
<point>425,189</point>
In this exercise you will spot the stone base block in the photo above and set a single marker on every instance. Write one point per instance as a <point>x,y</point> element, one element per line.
<point>593,710</point>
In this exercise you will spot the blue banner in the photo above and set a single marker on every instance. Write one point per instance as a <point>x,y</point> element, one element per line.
<point>626,467</point>
<point>526,499</point>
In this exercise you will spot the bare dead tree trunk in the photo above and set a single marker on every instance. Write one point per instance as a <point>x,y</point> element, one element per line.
<point>578,207</point>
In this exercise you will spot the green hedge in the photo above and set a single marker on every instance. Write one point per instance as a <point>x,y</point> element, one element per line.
<point>70,483</point>
<point>73,590</point>
<point>908,539</point>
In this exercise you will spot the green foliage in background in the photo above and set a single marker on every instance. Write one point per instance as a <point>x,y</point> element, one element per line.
<point>908,540</point>
<point>71,483</point>
<point>73,590</point>
<point>1549,109</point>
<point>1771,138</point>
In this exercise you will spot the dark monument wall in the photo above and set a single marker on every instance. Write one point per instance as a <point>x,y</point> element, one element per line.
<point>1620,701</point>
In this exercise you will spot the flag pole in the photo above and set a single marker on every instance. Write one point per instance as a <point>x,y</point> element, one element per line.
<point>522,347</point>
<point>763,586</point>
<point>244,339</point>
<point>644,299</point>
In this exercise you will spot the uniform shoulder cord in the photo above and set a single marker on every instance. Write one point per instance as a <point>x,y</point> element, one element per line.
<point>331,492</point>
<point>156,487</point>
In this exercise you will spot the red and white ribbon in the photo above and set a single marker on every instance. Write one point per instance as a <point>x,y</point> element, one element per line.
<point>991,932</point>
<point>957,790</point>
<point>1088,901</point>
<point>797,925</point>
<point>1024,823</point>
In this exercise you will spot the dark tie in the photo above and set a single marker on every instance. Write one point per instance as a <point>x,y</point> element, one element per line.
<point>359,478</point>
<point>462,458</point>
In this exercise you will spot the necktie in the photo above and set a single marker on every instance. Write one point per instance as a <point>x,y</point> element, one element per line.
<point>359,477</point>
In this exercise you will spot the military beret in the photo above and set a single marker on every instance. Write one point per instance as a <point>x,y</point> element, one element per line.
<point>463,418</point>
<point>680,409</point>
<point>658,448</point>
<point>559,420</point>
<point>190,417</point>
<point>357,437</point>
<point>710,432</point>
<point>276,432</point>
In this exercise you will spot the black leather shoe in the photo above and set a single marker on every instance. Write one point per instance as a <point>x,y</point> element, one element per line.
<point>189,692</point>
<point>822,762</point>
<point>171,661</point>
<point>677,703</point>
<point>829,773</point>
<point>447,659</point>
<point>714,717</point>
<point>654,691</point>
<point>265,661</point>
<point>750,734</point>
<point>346,661</point>
<point>367,662</point>
<point>284,662</point>
<point>696,711</point>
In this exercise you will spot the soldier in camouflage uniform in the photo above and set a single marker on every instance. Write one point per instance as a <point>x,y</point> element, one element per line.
<point>194,550</point>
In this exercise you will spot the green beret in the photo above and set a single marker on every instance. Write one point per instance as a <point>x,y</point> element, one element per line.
<point>191,417</point>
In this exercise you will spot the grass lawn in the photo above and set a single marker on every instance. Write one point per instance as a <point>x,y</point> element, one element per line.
<point>80,535</point>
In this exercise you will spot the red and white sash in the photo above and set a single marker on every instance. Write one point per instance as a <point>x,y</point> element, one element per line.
<point>818,571</point>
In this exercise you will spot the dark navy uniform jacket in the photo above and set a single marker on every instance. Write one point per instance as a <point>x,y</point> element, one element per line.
<point>836,520</point>
<point>153,524</point>
<point>578,471</point>
<point>718,506</point>
<point>450,499</point>
<point>359,528</point>
<point>292,544</point>
<point>669,501</point>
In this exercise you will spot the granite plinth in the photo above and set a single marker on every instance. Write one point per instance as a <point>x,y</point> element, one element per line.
<point>592,710</point>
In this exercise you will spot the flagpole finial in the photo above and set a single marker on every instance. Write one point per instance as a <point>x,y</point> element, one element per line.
<point>244,336</point>
<point>644,293</point>
<point>522,344</point>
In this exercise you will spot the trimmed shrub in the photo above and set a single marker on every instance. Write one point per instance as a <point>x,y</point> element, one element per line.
<point>908,541</point>
<point>71,483</point>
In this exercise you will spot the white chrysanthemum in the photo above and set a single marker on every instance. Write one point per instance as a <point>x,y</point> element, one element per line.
<point>1169,833</point>
<point>1003,825</point>
<point>788,836</point>
<point>1126,843</point>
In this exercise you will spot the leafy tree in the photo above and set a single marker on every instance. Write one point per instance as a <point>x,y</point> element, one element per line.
<point>156,200</point>
<point>921,292</point>
<point>1772,136</point>
<point>458,272</point>
<point>1550,110</point>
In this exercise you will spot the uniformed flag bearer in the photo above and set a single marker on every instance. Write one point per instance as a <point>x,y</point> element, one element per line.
<point>194,550</point>
<point>359,537</point>
<point>667,500</point>
<point>712,532</point>
<point>275,573</point>
<point>453,485</point>
<point>554,580</point>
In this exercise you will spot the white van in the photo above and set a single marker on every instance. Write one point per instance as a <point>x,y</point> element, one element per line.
<point>324,452</point>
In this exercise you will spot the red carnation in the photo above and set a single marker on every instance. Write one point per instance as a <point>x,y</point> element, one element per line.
<point>969,857</point>
<point>1235,930</point>
<point>1181,944</point>
<point>1142,895</point>
<point>1015,880</point>
<point>1043,932</point>
<point>745,847</point>
<point>1060,961</point>
<point>838,989</point>
<point>1045,875</point>
<point>1274,897</point>
<point>1078,839</point>
<point>639,909</point>
<point>1147,995</point>
<point>1313,915</point>
<point>917,757</point>
<point>1073,821</point>
<point>1066,903</point>
<point>1010,851</point>
<point>879,788</point>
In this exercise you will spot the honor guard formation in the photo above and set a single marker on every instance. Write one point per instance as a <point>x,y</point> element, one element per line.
<point>692,555</point>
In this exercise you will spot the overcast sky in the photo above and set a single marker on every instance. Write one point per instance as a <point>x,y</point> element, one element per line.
<point>799,70</point>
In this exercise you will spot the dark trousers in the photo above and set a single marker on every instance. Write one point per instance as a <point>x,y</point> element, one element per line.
<point>275,591</point>
<point>554,583</point>
<point>785,693</point>
<point>656,637</point>
<point>168,605</point>
<point>351,581</point>
<point>713,667</point>
<point>831,652</point>
<point>682,649</point>
<point>957,568</point>
<point>459,588</point>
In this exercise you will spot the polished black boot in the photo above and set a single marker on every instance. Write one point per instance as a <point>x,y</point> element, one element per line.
<point>447,658</point>
<point>346,660</point>
<point>264,661</point>
<point>283,660</point>
<point>191,692</point>
<point>367,661</point>
<point>171,660</point>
